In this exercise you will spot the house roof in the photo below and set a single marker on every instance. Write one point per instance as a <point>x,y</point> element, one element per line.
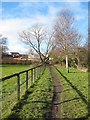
<point>14,52</point>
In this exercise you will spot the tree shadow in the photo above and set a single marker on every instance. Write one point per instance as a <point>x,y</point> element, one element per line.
<point>74,87</point>
<point>76,72</point>
<point>24,101</point>
<point>18,107</point>
<point>67,101</point>
<point>65,90</point>
<point>80,95</point>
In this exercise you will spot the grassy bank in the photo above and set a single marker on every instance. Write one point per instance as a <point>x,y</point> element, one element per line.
<point>74,96</point>
<point>38,100</point>
<point>9,87</point>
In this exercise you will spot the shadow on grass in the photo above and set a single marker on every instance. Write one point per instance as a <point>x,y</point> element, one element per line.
<point>74,87</point>
<point>66,101</point>
<point>80,95</point>
<point>15,115</point>
<point>75,71</point>
<point>18,107</point>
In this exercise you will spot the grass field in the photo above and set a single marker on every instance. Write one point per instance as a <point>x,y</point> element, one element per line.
<point>11,69</point>
<point>74,96</point>
<point>9,87</point>
<point>37,104</point>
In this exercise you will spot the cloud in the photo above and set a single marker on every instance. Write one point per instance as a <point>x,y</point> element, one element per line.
<point>11,26</point>
<point>80,12</point>
<point>78,17</point>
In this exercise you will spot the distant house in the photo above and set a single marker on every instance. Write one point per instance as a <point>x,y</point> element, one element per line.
<point>24,56</point>
<point>31,57</point>
<point>18,56</point>
<point>15,54</point>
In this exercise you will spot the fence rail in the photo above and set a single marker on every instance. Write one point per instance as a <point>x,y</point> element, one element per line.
<point>36,72</point>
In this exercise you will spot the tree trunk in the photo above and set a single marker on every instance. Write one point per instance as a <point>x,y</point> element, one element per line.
<point>67,68</point>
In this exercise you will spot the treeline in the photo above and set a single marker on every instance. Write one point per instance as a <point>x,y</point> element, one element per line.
<point>78,58</point>
<point>11,60</point>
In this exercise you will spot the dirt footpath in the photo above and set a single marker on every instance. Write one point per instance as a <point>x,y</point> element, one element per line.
<point>56,99</point>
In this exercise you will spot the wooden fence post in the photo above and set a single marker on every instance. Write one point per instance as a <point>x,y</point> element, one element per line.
<point>26,80</point>
<point>38,72</point>
<point>31,76</point>
<point>18,87</point>
<point>43,69</point>
<point>34,74</point>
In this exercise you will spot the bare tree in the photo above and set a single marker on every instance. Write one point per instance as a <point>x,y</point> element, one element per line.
<point>37,37</point>
<point>66,34</point>
<point>3,44</point>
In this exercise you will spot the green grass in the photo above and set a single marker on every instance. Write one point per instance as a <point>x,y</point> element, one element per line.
<point>11,69</point>
<point>9,87</point>
<point>74,96</point>
<point>37,102</point>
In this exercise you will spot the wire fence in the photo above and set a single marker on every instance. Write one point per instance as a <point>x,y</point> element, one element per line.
<point>15,85</point>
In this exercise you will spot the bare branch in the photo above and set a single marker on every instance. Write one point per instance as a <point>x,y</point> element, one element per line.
<point>34,38</point>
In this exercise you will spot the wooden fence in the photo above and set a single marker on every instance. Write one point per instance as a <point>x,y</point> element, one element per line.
<point>35,74</point>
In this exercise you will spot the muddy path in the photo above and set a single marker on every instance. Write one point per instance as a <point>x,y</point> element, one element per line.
<point>56,99</point>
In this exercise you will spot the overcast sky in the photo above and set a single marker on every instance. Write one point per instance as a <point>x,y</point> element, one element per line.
<point>18,16</point>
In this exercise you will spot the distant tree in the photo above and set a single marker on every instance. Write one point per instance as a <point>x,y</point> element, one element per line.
<point>83,55</point>
<point>3,44</point>
<point>66,33</point>
<point>89,48</point>
<point>36,37</point>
